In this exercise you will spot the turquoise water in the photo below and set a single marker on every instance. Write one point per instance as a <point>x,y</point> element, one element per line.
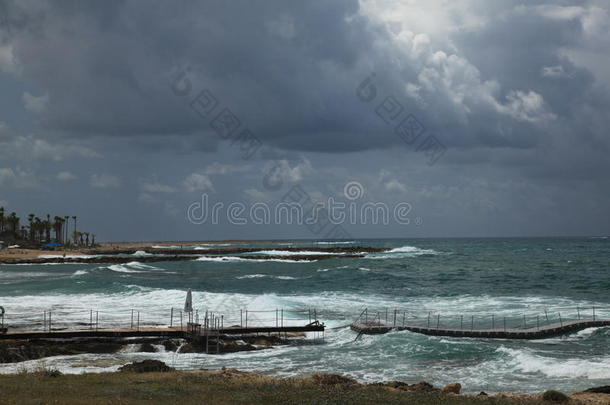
<point>473,278</point>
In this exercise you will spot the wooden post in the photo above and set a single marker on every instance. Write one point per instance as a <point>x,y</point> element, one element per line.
<point>91,319</point>
<point>524,322</point>
<point>49,320</point>
<point>181,325</point>
<point>282,324</point>
<point>44,320</point>
<point>131,324</point>
<point>593,313</point>
<point>246,318</point>
<point>276,317</point>
<point>546,314</point>
<point>404,315</point>
<point>461,322</point>
<point>394,317</point>
<point>428,318</point>
<point>315,314</point>
<point>138,320</point>
<point>438,320</point>
<point>493,322</point>
<point>504,324</point>
<point>560,321</point>
<point>472,322</point>
<point>538,322</point>
<point>241,318</point>
<point>171,317</point>
<point>97,318</point>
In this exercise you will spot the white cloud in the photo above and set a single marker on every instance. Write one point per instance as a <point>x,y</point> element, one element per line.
<point>35,104</point>
<point>218,168</point>
<point>65,176</point>
<point>18,178</point>
<point>27,148</point>
<point>553,72</point>
<point>8,63</point>
<point>288,171</point>
<point>396,186</point>
<point>389,183</point>
<point>104,181</point>
<point>198,182</point>
<point>524,106</point>
<point>257,195</point>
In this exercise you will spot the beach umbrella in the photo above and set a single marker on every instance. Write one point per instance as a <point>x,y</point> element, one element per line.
<point>188,304</point>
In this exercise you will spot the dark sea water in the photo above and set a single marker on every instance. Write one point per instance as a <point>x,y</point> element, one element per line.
<point>448,278</point>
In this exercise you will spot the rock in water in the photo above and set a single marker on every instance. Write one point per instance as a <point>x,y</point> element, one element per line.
<point>147,348</point>
<point>146,366</point>
<point>454,388</point>
<point>599,390</point>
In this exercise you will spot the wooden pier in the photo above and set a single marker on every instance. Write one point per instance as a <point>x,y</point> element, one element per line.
<point>497,326</point>
<point>208,331</point>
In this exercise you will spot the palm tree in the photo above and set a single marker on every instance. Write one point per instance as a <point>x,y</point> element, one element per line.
<point>47,228</point>
<point>1,220</point>
<point>57,228</point>
<point>92,240</point>
<point>67,240</point>
<point>74,218</point>
<point>13,220</point>
<point>31,221</point>
<point>87,238</point>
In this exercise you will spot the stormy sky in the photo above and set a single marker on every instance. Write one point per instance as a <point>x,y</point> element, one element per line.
<point>486,118</point>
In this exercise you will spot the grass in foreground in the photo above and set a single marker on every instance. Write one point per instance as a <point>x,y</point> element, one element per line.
<point>224,387</point>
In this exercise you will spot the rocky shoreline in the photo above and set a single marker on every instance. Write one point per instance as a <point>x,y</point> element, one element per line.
<point>14,351</point>
<point>152,255</point>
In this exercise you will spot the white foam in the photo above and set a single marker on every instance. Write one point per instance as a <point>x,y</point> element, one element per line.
<point>267,276</point>
<point>225,259</point>
<point>292,253</point>
<point>402,252</point>
<point>141,253</point>
<point>528,362</point>
<point>334,243</point>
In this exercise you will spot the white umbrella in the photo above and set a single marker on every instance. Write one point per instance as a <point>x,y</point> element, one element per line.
<point>188,304</point>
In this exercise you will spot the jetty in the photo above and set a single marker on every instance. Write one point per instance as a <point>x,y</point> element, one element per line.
<point>527,326</point>
<point>205,328</point>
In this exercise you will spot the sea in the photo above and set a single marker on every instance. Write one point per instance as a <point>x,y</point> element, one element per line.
<point>460,283</point>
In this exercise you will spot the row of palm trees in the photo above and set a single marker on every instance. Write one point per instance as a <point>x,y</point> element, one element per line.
<point>39,230</point>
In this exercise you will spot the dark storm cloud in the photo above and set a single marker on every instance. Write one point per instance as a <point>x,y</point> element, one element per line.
<point>289,70</point>
<point>516,91</point>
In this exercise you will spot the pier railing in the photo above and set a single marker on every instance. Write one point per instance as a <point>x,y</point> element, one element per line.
<point>498,320</point>
<point>56,319</point>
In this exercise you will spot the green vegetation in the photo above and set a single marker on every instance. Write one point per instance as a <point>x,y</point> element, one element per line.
<point>215,387</point>
<point>554,396</point>
<point>38,231</point>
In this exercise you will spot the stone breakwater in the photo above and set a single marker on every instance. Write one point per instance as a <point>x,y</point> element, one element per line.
<point>121,256</point>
